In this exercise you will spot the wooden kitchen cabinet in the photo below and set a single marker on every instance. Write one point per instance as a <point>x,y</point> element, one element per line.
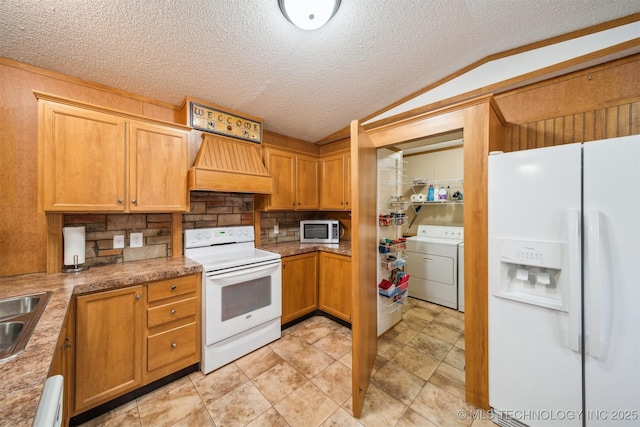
<point>299,285</point>
<point>96,160</point>
<point>295,180</point>
<point>173,326</point>
<point>335,285</point>
<point>130,337</point>
<point>82,156</point>
<point>108,354</point>
<point>158,164</point>
<point>335,184</point>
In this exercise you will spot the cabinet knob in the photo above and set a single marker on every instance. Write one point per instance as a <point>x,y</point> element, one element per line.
<point>173,345</point>
<point>173,287</point>
<point>134,201</point>
<point>138,296</point>
<point>121,201</point>
<point>173,311</point>
<point>341,203</point>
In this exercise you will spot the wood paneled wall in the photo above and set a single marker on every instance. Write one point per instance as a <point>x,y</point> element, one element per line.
<point>597,103</point>
<point>612,122</point>
<point>23,229</point>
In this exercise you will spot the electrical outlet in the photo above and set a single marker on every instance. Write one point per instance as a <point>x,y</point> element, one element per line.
<point>276,229</point>
<point>136,240</point>
<point>118,242</point>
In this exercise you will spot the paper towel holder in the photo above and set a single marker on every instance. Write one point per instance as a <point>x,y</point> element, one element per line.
<point>74,243</point>
<point>74,268</point>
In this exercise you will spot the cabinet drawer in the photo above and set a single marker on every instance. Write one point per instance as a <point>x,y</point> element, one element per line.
<point>170,346</point>
<point>172,287</point>
<point>171,312</point>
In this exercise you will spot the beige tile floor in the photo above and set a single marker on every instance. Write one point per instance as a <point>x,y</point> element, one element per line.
<point>304,379</point>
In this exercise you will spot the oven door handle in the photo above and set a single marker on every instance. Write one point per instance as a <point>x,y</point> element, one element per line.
<point>244,269</point>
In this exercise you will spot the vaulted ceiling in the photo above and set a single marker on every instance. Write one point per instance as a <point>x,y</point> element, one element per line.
<point>244,55</point>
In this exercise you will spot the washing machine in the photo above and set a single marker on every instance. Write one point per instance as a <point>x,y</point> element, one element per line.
<point>432,263</point>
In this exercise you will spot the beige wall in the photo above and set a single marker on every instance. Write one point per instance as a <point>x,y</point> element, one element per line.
<point>444,168</point>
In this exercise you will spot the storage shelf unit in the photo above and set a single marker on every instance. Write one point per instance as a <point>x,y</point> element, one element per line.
<point>457,185</point>
<point>391,207</point>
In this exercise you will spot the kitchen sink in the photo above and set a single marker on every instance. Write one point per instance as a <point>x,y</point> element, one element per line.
<point>18,318</point>
<point>9,333</point>
<point>12,307</point>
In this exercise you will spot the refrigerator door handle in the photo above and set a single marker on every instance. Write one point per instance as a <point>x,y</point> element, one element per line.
<point>597,287</point>
<point>574,304</point>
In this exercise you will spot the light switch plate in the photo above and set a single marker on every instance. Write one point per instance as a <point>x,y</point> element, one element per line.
<point>135,240</point>
<point>118,242</point>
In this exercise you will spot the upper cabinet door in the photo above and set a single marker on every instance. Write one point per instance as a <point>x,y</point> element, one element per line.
<point>95,161</point>
<point>347,181</point>
<point>82,159</point>
<point>157,168</point>
<point>335,186</point>
<point>307,194</point>
<point>295,180</point>
<point>282,166</point>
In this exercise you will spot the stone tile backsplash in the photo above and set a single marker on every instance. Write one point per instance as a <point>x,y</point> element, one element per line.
<point>288,223</point>
<point>208,209</point>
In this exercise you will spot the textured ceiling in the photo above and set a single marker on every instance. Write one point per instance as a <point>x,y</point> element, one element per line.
<point>244,55</point>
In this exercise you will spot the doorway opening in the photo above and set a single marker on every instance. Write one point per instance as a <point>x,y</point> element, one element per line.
<point>422,336</point>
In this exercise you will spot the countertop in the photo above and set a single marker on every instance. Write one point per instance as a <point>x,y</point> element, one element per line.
<point>297,248</point>
<point>23,376</point>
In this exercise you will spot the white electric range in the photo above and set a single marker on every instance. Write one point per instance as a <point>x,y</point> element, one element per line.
<point>241,293</point>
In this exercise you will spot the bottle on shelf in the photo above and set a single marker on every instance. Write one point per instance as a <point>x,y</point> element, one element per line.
<point>430,194</point>
<point>442,194</point>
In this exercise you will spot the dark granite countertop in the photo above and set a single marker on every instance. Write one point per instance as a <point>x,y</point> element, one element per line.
<point>23,375</point>
<point>297,248</point>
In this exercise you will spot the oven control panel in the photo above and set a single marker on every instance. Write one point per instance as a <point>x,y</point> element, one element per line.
<point>200,237</point>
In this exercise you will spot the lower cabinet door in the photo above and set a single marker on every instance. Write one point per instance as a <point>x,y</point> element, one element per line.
<point>335,285</point>
<point>108,345</point>
<point>299,285</point>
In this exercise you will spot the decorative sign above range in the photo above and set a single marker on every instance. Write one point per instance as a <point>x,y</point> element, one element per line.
<point>214,120</point>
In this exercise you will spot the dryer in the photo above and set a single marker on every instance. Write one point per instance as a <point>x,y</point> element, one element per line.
<point>432,263</point>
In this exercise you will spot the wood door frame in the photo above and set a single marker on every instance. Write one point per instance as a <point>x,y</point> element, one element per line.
<point>483,128</point>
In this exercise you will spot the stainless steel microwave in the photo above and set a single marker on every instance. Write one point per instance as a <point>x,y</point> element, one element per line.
<point>320,231</point>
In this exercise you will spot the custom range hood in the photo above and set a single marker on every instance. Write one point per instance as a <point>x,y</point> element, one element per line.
<point>229,165</point>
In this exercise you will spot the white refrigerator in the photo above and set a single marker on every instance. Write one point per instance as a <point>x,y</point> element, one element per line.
<point>564,285</point>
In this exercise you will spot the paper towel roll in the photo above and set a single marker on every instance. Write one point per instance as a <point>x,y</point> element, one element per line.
<point>73,244</point>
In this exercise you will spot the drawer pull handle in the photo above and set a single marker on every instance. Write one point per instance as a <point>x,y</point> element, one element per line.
<point>173,287</point>
<point>138,297</point>
<point>173,345</point>
<point>173,311</point>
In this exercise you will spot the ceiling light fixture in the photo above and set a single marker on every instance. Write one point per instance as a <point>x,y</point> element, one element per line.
<point>309,14</point>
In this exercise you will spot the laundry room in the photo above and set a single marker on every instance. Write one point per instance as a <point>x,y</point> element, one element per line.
<point>433,182</point>
<point>421,226</point>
